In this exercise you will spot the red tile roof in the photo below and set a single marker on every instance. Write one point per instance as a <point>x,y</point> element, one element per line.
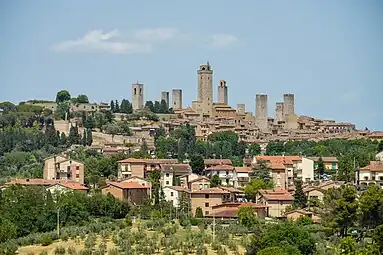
<point>41,182</point>
<point>374,166</point>
<point>218,162</point>
<point>211,191</point>
<point>243,169</point>
<point>220,168</point>
<point>200,179</point>
<point>276,194</point>
<point>128,185</point>
<point>132,160</point>
<point>178,188</point>
<point>73,185</point>
<point>232,190</point>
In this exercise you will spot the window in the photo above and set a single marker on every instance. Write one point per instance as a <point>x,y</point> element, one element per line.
<point>135,91</point>
<point>167,182</point>
<point>68,168</point>
<point>333,165</point>
<point>381,178</point>
<point>77,167</point>
<point>206,195</point>
<point>206,204</point>
<point>167,175</point>
<point>171,194</point>
<point>206,212</point>
<point>77,176</point>
<point>68,176</point>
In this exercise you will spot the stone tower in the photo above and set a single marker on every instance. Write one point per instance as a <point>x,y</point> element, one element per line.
<point>261,111</point>
<point>279,116</point>
<point>176,99</point>
<point>205,89</point>
<point>137,96</point>
<point>222,92</point>
<point>288,104</point>
<point>241,109</point>
<point>165,97</point>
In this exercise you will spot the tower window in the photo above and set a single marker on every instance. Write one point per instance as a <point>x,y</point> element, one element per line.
<point>208,78</point>
<point>135,91</point>
<point>140,91</point>
<point>203,68</point>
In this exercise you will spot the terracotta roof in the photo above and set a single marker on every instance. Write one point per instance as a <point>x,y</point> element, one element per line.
<point>176,167</point>
<point>282,159</point>
<point>211,191</point>
<point>232,190</point>
<point>220,167</point>
<point>325,159</point>
<point>374,166</point>
<point>132,160</point>
<point>232,208</point>
<point>128,185</point>
<point>218,162</point>
<point>178,188</point>
<point>243,169</point>
<point>200,179</point>
<point>276,194</point>
<point>276,165</point>
<point>311,188</point>
<point>72,185</point>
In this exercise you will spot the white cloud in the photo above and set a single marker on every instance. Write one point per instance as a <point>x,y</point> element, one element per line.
<point>223,40</point>
<point>97,40</point>
<point>139,41</point>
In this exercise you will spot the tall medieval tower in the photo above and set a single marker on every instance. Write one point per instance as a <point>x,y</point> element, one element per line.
<point>137,96</point>
<point>205,89</point>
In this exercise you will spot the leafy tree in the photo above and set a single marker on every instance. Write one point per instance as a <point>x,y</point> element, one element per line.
<point>198,212</point>
<point>246,216</point>
<point>378,237</point>
<point>126,106</point>
<point>74,137</point>
<point>346,169</point>
<point>156,107</point>
<point>300,199</point>
<point>62,96</point>
<point>116,107</point>
<point>82,99</point>
<point>62,111</point>
<point>262,172</point>
<point>154,177</point>
<point>149,105</point>
<point>320,167</point>
<point>304,221</point>
<point>347,246</point>
<point>112,129</point>
<point>112,105</point>
<point>282,235</point>
<point>89,123</point>
<point>7,230</point>
<point>163,108</point>
<point>371,207</point>
<point>275,148</point>
<point>7,107</point>
<point>215,181</point>
<point>254,149</point>
<point>254,186</point>
<point>340,209</point>
<point>197,164</point>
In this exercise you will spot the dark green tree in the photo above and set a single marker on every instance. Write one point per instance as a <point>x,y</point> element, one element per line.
<point>156,107</point>
<point>198,212</point>
<point>371,207</point>
<point>378,237</point>
<point>197,164</point>
<point>262,171</point>
<point>112,105</point>
<point>149,105</point>
<point>163,108</point>
<point>116,107</point>
<point>62,96</point>
<point>320,168</point>
<point>275,148</point>
<point>154,177</point>
<point>246,216</point>
<point>82,99</point>
<point>254,149</point>
<point>300,199</point>
<point>89,124</point>
<point>215,181</point>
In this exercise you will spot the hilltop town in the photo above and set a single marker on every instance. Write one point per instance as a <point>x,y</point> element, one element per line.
<point>135,176</point>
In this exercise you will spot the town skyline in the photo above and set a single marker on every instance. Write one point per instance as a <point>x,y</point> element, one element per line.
<point>330,63</point>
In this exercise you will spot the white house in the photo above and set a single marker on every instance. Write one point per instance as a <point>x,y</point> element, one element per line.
<point>371,174</point>
<point>305,169</point>
<point>226,174</point>
<point>243,175</point>
<point>174,193</point>
<point>65,187</point>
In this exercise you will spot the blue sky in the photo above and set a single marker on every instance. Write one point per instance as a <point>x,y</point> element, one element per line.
<point>328,53</point>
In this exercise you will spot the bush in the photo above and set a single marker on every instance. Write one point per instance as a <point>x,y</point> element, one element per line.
<point>128,221</point>
<point>46,240</point>
<point>60,250</point>
<point>194,221</point>
<point>72,251</point>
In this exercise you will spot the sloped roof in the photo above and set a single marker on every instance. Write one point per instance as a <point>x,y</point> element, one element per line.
<point>72,185</point>
<point>178,188</point>
<point>278,194</point>
<point>325,159</point>
<point>211,191</point>
<point>243,169</point>
<point>220,167</point>
<point>128,185</point>
<point>200,179</point>
<point>374,166</point>
<point>176,167</point>
<point>218,162</point>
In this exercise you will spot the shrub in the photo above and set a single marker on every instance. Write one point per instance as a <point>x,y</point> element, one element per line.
<point>46,240</point>
<point>195,222</point>
<point>72,251</point>
<point>128,220</point>
<point>59,250</point>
